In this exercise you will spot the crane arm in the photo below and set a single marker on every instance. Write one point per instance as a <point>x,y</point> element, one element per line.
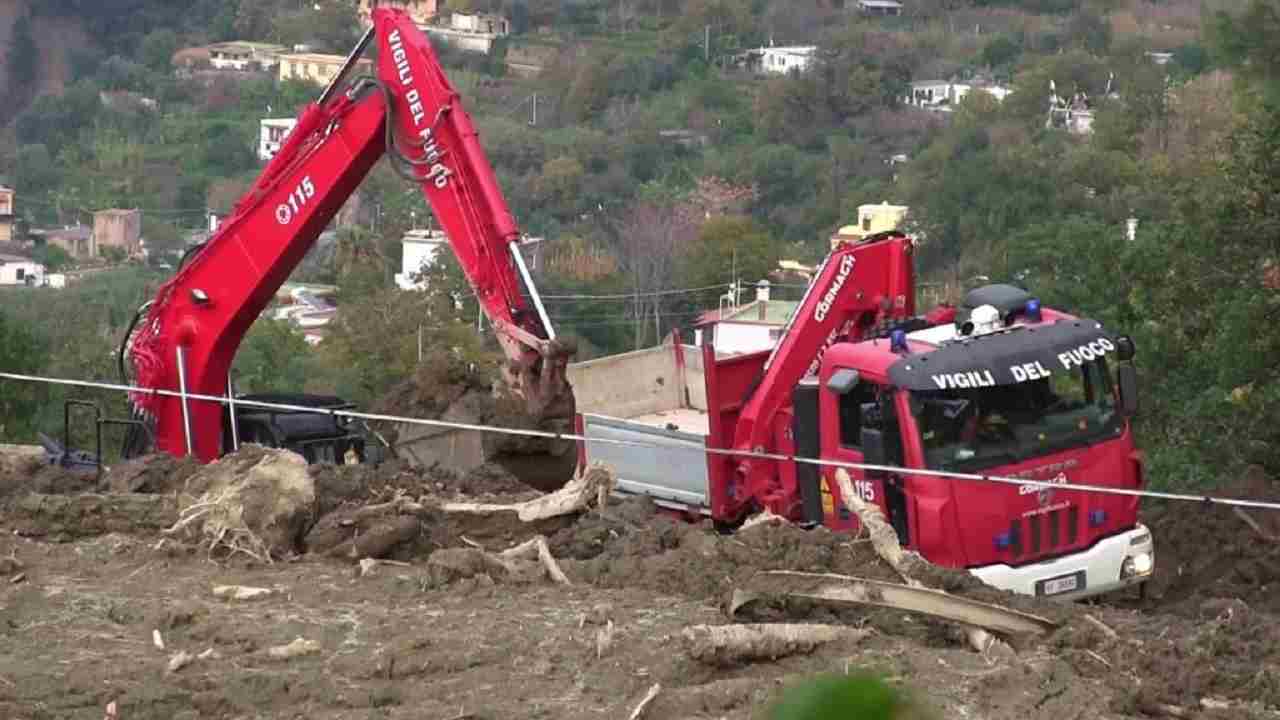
<point>859,290</point>
<point>192,328</point>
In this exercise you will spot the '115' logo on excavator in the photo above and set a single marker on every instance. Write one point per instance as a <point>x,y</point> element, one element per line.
<point>298,199</point>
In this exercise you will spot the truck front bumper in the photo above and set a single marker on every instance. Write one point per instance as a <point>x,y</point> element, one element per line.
<point>1113,563</point>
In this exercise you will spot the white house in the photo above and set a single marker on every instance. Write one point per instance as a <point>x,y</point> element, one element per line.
<point>944,95</point>
<point>475,32</point>
<point>238,55</point>
<point>737,329</point>
<point>18,270</point>
<point>782,59</point>
<point>880,7</point>
<point>420,248</point>
<point>271,135</point>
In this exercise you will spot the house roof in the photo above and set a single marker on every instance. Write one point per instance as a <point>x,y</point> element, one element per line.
<point>880,3</point>
<point>7,258</point>
<point>246,46</point>
<point>82,232</point>
<point>776,312</point>
<point>320,58</point>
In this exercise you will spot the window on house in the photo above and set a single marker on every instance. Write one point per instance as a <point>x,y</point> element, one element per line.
<point>866,224</point>
<point>22,274</point>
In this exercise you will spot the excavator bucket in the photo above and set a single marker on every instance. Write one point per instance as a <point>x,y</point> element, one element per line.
<point>538,397</point>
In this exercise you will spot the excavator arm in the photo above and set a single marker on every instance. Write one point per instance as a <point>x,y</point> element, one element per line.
<point>860,291</point>
<point>408,112</point>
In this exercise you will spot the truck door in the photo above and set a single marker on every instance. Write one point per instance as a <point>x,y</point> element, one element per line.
<point>850,405</point>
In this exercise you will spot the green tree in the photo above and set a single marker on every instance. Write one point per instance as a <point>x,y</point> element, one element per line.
<point>273,357</point>
<point>725,244</point>
<point>21,351</point>
<point>157,49</point>
<point>52,257</point>
<point>23,54</point>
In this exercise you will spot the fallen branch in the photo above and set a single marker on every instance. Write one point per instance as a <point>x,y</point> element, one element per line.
<point>241,592</point>
<point>846,590</point>
<point>883,537</point>
<point>367,565</point>
<point>763,518</point>
<point>907,564</point>
<point>593,485</point>
<point>1106,629</point>
<point>457,563</point>
<point>537,548</point>
<point>726,645</point>
<point>1247,519</point>
<point>644,702</point>
<point>298,648</point>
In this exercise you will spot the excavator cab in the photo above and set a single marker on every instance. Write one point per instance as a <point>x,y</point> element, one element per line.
<point>318,437</point>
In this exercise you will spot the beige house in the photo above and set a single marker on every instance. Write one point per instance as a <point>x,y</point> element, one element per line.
<point>422,11</point>
<point>120,229</point>
<point>872,219</point>
<point>316,67</point>
<point>77,241</point>
<point>6,214</point>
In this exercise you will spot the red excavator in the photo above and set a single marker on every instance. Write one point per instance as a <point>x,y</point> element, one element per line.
<point>187,336</point>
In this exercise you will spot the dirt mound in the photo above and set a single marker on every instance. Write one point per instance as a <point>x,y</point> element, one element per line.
<point>159,473</point>
<point>634,545</point>
<point>1210,551</point>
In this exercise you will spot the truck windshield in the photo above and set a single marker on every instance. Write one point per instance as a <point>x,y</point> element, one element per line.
<point>967,429</point>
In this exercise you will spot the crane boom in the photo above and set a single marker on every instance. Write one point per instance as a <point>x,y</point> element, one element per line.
<point>408,112</point>
<point>858,292</point>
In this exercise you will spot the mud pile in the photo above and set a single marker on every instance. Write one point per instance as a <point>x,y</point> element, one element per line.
<point>1209,551</point>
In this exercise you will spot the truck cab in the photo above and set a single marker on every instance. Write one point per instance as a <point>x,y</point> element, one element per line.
<point>1008,389</point>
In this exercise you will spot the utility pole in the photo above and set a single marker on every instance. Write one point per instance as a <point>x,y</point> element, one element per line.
<point>535,110</point>
<point>706,43</point>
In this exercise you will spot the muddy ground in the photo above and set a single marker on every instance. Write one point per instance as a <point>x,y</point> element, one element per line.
<point>77,620</point>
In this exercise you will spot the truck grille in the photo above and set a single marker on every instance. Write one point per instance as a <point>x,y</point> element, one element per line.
<point>1044,533</point>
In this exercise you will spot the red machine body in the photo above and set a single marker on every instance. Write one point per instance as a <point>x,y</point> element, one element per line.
<point>199,317</point>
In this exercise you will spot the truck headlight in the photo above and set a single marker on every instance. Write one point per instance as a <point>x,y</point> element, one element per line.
<point>1137,565</point>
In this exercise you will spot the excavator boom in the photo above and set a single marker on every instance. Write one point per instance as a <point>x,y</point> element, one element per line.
<point>409,113</point>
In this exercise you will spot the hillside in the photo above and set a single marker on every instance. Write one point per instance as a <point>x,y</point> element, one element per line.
<point>55,38</point>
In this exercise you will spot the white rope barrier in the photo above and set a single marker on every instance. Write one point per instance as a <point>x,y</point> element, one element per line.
<point>574,437</point>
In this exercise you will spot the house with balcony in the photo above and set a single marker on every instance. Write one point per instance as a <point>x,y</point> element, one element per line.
<point>239,55</point>
<point>7,214</point>
<point>271,135</point>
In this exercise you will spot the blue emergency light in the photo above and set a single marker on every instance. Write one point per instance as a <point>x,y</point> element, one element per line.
<point>898,341</point>
<point>1033,310</point>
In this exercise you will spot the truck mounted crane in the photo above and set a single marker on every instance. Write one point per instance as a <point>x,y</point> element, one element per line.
<point>408,112</point>
<point>998,386</point>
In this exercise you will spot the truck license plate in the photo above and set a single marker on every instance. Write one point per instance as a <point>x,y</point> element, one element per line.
<point>1064,584</point>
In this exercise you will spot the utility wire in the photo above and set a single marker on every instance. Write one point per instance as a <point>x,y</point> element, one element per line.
<point>724,452</point>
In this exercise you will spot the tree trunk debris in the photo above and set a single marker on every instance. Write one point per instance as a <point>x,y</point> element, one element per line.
<point>644,702</point>
<point>727,645</point>
<point>593,485</point>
